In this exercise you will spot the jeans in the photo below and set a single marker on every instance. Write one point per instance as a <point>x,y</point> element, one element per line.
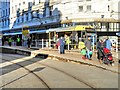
<point>88,55</point>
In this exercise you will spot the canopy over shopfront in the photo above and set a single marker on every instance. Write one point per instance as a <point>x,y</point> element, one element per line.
<point>25,32</point>
<point>73,28</point>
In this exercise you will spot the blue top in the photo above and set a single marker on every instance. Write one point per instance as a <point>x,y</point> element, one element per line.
<point>108,44</point>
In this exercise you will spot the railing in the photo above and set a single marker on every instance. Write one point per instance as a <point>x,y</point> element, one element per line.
<point>51,44</point>
<point>48,43</point>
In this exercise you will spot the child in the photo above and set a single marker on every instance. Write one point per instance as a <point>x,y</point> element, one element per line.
<point>90,53</point>
<point>83,52</point>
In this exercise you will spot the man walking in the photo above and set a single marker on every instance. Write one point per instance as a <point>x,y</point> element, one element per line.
<point>61,45</point>
<point>18,41</point>
<point>88,47</point>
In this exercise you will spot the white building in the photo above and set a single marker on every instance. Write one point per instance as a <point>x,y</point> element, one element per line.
<point>104,15</point>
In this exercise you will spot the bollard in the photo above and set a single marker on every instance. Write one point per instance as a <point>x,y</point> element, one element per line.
<point>46,43</point>
<point>35,43</point>
<point>116,46</point>
<point>93,43</point>
<point>42,43</point>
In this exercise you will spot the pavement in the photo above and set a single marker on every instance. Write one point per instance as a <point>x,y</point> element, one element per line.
<point>72,56</point>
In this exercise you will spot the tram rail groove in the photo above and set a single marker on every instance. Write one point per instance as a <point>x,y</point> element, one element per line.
<point>44,83</point>
<point>64,72</point>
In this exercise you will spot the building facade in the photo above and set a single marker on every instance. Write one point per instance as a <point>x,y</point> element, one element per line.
<point>36,15</point>
<point>4,14</point>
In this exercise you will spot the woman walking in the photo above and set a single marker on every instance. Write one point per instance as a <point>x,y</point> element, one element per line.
<point>100,46</point>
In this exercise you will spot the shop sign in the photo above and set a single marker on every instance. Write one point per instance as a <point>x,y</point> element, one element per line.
<point>25,32</point>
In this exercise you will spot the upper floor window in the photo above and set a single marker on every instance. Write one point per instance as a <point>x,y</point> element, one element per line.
<point>88,0</point>
<point>80,8</point>
<point>23,2</point>
<point>19,4</point>
<point>108,8</point>
<point>89,8</point>
<point>3,12</point>
<point>33,2</point>
<point>80,0</point>
<point>16,7</point>
<point>12,9</point>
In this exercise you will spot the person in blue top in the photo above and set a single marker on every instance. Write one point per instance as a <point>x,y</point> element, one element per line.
<point>108,44</point>
<point>61,45</point>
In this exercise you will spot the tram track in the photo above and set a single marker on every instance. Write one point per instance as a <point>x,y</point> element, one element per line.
<point>62,71</point>
<point>29,71</point>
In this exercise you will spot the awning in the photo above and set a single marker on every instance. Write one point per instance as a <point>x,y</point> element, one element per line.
<point>112,20</point>
<point>82,27</point>
<point>6,34</point>
<point>38,31</point>
<point>61,29</point>
<point>72,28</point>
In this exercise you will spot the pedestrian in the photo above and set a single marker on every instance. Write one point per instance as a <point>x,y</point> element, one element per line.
<point>108,43</point>
<point>81,44</point>
<point>10,41</point>
<point>61,43</point>
<point>88,47</point>
<point>83,52</point>
<point>29,42</point>
<point>100,50</point>
<point>3,40</point>
<point>18,41</point>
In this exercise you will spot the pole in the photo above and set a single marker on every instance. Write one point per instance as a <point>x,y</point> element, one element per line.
<point>93,43</point>
<point>116,46</point>
<point>42,44</point>
<point>49,40</point>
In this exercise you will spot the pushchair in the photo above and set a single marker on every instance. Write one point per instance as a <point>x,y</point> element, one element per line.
<point>107,56</point>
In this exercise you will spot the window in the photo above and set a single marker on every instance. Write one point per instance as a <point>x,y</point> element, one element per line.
<point>30,4</point>
<point>27,17</point>
<point>88,0</point>
<point>16,7</point>
<point>12,9</point>
<point>80,0</point>
<point>33,2</point>
<point>108,8</point>
<point>3,12</point>
<point>9,11</point>
<point>23,2</point>
<point>89,8</point>
<point>6,12</point>
<point>19,4</point>
<point>80,8</point>
<point>51,9</point>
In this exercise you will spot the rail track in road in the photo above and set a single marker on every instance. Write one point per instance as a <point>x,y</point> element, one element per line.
<point>42,80</point>
<point>44,83</point>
